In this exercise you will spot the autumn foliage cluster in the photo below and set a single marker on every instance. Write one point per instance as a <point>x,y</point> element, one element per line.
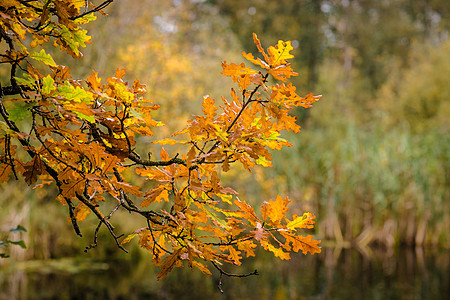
<point>81,135</point>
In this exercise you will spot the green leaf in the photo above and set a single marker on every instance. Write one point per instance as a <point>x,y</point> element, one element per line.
<point>19,243</point>
<point>75,94</point>
<point>43,57</point>
<point>74,38</point>
<point>2,243</point>
<point>19,111</point>
<point>90,119</point>
<point>27,80</point>
<point>4,255</point>
<point>81,38</point>
<point>19,228</point>
<point>48,85</point>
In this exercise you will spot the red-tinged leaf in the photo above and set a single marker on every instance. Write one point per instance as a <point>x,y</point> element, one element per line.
<point>259,233</point>
<point>227,191</point>
<point>42,184</point>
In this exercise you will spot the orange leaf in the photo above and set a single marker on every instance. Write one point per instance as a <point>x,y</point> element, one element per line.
<point>128,188</point>
<point>247,246</point>
<point>234,255</point>
<point>164,155</point>
<point>81,211</point>
<point>275,210</point>
<point>305,244</point>
<point>257,61</point>
<point>201,267</point>
<point>260,48</point>
<point>169,263</point>
<point>73,187</point>
<point>248,211</point>
<point>156,195</point>
<point>94,81</point>
<point>208,107</point>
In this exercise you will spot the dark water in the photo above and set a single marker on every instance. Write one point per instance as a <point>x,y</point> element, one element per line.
<point>333,274</point>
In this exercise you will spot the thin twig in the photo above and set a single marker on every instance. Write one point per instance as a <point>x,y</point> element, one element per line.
<point>222,272</point>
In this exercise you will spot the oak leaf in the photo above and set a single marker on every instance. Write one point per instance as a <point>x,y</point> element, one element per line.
<point>32,169</point>
<point>170,262</point>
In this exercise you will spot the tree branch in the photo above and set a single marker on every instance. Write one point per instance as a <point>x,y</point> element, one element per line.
<point>222,272</point>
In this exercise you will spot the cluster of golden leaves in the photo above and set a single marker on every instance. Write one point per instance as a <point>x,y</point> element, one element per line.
<point>83,139</point>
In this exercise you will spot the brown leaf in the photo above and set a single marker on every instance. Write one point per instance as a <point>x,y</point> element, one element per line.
<point>33,169</point>
<point>169,263</point>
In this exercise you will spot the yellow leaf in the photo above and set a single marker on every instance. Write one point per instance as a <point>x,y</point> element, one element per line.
<point>263,161</point>
<point>128,238</point>
<point>167,141</point>
<point>280,53</point>
<point>278,252</point>
<point>306,221</point>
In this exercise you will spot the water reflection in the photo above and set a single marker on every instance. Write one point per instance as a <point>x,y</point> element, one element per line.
<point>334,274</point>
